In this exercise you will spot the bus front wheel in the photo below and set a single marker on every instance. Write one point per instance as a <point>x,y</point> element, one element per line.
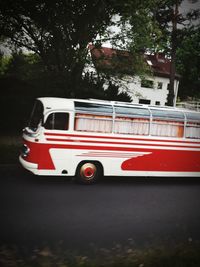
<point>88,172</point>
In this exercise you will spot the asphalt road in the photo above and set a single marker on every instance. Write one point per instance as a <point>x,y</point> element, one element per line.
<point>35,211</point>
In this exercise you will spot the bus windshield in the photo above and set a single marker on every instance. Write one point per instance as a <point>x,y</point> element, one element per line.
<point>36,116</point>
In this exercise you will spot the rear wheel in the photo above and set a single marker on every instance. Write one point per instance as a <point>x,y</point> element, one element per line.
<point>88,172</point>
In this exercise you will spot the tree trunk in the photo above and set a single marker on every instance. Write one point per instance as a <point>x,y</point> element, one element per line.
<point>171,94</point>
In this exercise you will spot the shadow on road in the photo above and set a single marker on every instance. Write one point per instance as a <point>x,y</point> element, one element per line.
<point>17,172</point>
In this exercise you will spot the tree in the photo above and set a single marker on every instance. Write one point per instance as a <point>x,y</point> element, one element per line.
<point>157,26</point>
<point>58,31</point>
<point>173,24</point>
<point>154,29</point>
<point>94,87</point>
<point>139,28</point>
<point>188,62</point>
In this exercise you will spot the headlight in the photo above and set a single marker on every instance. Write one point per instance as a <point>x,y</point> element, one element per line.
<point>25,151</point>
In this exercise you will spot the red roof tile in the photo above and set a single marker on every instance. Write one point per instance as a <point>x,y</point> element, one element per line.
<point>109,59</point>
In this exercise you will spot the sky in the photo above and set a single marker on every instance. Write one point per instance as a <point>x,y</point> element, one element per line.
<point>190,4</point>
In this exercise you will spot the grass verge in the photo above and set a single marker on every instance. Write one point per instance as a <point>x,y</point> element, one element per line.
<point>9,154</point>
<point>187,255</point>
<point>9,149</point>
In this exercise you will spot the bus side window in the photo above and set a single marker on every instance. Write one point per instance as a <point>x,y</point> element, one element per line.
<point>57,121</point>
<point>93,123</point>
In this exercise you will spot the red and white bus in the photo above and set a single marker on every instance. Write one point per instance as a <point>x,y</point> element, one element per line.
<point>91,138</point>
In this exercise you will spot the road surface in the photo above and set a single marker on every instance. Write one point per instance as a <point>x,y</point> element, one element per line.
<point>35,211</point>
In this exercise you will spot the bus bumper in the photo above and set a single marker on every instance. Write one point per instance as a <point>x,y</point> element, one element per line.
<point>32,167</point>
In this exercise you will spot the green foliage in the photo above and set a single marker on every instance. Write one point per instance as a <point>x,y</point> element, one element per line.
<point>188,62</point>
<point>58,31</point>
<point>23,80</point>
<point>140,29</point>
<point>173,25</point>
<point>26,78</point>
<point>4,62</point>
<point>94,87</point>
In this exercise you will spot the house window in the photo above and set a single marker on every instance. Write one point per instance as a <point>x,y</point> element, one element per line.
<point>160,85</point>
<point>147,83</point>
<point>144,101</point>
<point>157,103</point>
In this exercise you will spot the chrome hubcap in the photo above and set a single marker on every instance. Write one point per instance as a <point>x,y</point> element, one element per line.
<point>88,171</point>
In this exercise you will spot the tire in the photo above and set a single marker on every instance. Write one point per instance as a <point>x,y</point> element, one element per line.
<point>88,172</point>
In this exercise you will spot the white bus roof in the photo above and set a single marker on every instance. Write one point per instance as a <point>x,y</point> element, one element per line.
<point>56,103</point>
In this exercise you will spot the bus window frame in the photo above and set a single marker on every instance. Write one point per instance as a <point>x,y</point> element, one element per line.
<point>53,112</point>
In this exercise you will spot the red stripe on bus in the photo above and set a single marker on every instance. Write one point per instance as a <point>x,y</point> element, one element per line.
<point>120,143</point>
<point>123,138</point>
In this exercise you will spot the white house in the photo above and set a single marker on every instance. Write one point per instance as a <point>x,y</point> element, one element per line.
<point>152,89</point>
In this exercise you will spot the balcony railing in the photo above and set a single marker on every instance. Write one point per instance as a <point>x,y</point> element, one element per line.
<point>193,105</point>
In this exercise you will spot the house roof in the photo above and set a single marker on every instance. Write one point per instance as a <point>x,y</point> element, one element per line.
<point>121,61</point>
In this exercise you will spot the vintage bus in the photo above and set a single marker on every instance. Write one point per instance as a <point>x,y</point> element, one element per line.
<point>91,138</point>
